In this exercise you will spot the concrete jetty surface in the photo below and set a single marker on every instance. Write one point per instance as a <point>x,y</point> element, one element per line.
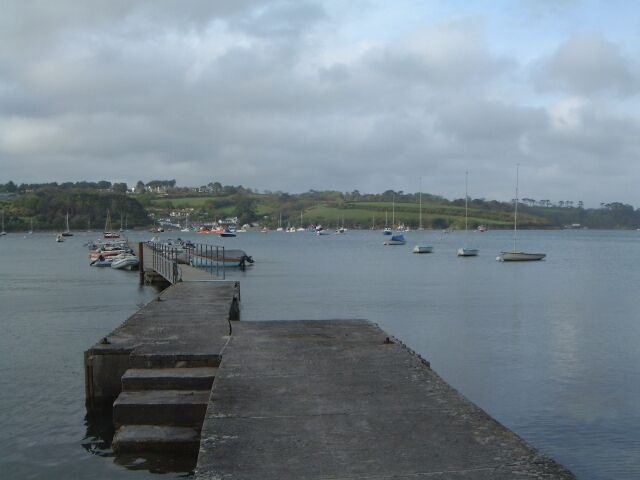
<point>338,400</point>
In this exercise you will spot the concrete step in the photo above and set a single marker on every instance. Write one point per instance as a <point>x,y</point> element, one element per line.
<point>174,360</point>
<point>153,438</point>
<point>200,378</point>
<point>182,408</point>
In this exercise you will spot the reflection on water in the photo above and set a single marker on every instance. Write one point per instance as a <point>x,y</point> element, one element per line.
<point>99,425</point>
<point>550,349</point>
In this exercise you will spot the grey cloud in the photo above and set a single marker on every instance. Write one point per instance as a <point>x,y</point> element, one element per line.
<point>255,93</point>
<point>587,64</point>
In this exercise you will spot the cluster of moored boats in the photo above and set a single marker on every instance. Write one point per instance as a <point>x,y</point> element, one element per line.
<point>113,253</point>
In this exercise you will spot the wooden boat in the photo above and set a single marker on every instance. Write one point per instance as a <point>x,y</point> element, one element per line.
<point>515,255</point>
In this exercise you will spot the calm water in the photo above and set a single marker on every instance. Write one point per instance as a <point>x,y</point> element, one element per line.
<point>548,348</point>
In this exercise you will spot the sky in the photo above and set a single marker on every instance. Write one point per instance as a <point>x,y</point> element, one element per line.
<point>294,95</point>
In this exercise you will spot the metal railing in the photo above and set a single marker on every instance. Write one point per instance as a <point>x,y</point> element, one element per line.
<point>167,258</point>
<point>210,258</point>
<point>165,261</point>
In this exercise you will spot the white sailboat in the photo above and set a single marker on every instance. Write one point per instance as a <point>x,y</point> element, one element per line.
<point>2,232</point>
<point>420,225</point>
<point>515,255</point>
<point>422,248</point>
<point>186,224</point>
<point>387,230</point>
<point>67,232</point>
<point>467,251</point>
<point>108,230</point>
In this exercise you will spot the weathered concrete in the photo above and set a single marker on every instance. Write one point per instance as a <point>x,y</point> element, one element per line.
<point>183,408</point>
<point>187,326</point>
<point>199,378</point>
<point>333,399</point>
<point>156,438</point>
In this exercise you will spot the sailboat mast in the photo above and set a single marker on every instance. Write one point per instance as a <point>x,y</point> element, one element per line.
<point>515,216</point>
<point>420,203</point>
<point>466,202</point>
<point>393,212</point>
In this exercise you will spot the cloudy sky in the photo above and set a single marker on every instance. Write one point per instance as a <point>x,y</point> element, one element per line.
<point>295,95</point>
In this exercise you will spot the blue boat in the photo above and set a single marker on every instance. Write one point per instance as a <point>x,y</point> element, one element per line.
<point>397,239</point>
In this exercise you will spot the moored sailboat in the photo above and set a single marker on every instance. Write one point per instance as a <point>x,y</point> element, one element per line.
<point>67,232</point>
<point>108,229</point>
<point>515,255</point>
<point>467,251</point>
<point>2,232</point>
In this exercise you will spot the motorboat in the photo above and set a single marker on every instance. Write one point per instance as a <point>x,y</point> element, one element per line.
<point>397,239</point>
<point>387,231</point>
<point>423,249</point>
<point>228,232</point>
<point>125,261</point>
<point>59,238</point>
<point>467,252</point>
<point>230,259</point>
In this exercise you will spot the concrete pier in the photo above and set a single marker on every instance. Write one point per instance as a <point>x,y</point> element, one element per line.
<point>337,399</point>
<point>340,400</point>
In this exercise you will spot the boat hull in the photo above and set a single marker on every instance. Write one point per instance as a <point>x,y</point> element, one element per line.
<point>468,252</point>
<point>423,249</point>
<point>519,257</point>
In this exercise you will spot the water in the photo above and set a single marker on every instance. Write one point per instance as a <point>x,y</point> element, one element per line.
<point>547,348</point>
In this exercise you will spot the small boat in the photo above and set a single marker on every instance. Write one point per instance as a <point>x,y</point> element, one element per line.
<point>320,230</point>
<point>2,232</point>
<point>125,261</point>
<point>101,262</point>
<point>466,251</point>
<point>387,231</point>
<point>482,228</point>
<point>519,256</point>
<point>67,232</point>
<point>231,259</point>
<point>228,232</point>
<point>59,238</point>
<point>397,239</point>
<point>515,255</point>
<point>108,230</point>
<point>264,230</point>
<point>423,249</point>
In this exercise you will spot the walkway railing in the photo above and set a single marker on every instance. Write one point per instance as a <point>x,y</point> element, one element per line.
<point>165,261</point>
<point>167,258</point>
